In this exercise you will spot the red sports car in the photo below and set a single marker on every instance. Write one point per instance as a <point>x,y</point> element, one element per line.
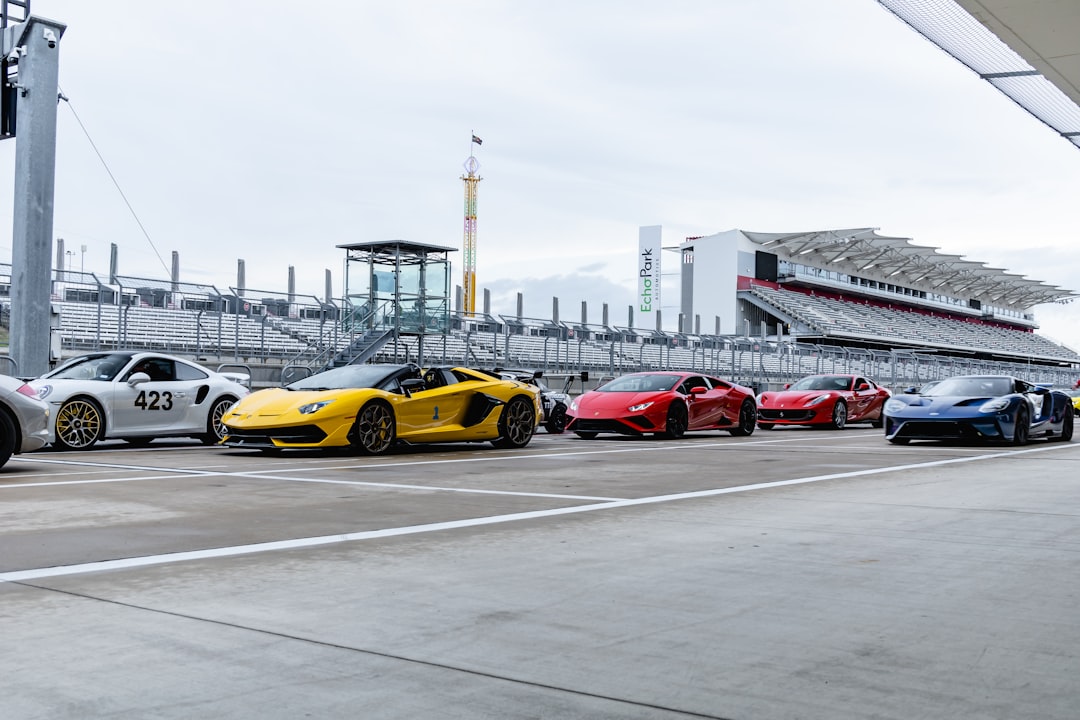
<point>829,400</point>
<point>667,404</point>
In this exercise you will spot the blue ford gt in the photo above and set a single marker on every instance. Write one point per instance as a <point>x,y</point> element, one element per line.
<point>991,408</point>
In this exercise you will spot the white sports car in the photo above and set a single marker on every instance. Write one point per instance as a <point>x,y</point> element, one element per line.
<point>136,396</point>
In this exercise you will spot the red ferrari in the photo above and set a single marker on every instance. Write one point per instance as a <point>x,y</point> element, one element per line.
<point>666,404</point>
<point>829,400</point>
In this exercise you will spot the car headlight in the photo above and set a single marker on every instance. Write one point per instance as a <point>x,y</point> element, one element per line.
<point>639,407</point>
<point>893,405</point>
<point>760,398</point>
<point>817,401</point>
<point>43,391</point>
<point>313,407</point>
<point>573,405</point>
<point>995,405</point>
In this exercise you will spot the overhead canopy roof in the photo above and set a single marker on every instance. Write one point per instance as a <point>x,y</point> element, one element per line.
<point>864,253</point>
<point>401,251</point>
<point>1028,50</point>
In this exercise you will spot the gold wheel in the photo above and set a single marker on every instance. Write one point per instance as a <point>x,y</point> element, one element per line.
<point>79,424</point>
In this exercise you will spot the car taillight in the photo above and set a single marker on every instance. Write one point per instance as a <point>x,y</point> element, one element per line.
<point>27,391</point>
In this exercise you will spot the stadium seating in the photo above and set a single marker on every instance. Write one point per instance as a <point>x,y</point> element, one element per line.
<point>844,319</point>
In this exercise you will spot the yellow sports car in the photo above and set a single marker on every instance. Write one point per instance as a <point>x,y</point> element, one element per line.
<point>371,407</point>
<point>1075,395</point>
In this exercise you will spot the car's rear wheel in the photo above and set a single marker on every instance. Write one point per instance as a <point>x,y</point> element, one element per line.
<point>79,424</point>
<point>677,421</point>
<point>747,420</point>
<point>7,438</point>
<point>516,424</point>
<point>586,435</point>
<point>375,429</point>
<point>215,429</point>
<point>1066,426</point>
<point>556,422</point>
<point>839,415</point>
<point>1022,428</point>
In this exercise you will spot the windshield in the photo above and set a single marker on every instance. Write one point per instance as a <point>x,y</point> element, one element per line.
<point>349,376</point>
<point>641,382</point>
<point>92,367</point>
<point>823,382</point>
<point>971,387</point>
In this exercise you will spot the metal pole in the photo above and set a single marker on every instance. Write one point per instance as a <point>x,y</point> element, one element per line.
<point>35,180</point>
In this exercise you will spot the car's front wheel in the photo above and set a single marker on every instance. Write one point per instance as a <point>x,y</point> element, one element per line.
<point>375,428</point>
<point>747,420</point>
<point>1022,429</point>
<point>677,421</point>
<point>516,424</point>
<point>839,415</point>
<point>215,429</point>
<point>79,424</point>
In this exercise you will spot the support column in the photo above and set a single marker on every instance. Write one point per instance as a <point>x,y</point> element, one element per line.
<point>35,180</point>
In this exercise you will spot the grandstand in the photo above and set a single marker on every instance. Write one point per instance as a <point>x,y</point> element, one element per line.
<point>856,288</point>
<point>793,304</point>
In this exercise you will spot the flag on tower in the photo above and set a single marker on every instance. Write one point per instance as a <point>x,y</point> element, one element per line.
<point>477,140</point>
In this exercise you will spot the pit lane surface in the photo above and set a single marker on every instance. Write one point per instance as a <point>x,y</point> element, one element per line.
<point>794,573</point>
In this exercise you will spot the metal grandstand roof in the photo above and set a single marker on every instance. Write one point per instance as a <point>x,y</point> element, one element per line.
<point>864,253</point>
<point>1028,50</point>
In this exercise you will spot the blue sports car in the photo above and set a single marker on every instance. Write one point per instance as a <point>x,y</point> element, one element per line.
<point>994,408</point>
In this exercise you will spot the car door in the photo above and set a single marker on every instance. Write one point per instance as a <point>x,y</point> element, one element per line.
<point>160,404</point>
<point>861,400</point>
<point>437,408</point>
<point>707,404</point>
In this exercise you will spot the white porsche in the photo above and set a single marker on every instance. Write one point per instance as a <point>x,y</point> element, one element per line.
<point>136,396</point>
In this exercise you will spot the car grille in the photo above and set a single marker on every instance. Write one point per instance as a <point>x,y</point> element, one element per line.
<point>944,429</point>
<point>298,435</point>
<point>785,414</point>
<point>605,426</point>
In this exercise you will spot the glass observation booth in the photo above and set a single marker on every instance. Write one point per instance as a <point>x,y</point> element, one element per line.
<point>397,285</point>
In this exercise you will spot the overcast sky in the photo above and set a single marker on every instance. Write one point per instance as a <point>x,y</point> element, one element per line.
<point>274,131</point>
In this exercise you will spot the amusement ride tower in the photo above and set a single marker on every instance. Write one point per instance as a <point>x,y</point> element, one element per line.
<point>471,179</point>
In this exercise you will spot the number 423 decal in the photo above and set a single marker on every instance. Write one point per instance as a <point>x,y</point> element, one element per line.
<point>154,400</point>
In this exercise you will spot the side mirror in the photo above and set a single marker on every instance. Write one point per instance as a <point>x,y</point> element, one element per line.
<point>911,390</point>
<point>698,390</point>
<point>862,386</point>
<point>787,385</point>
<point>137,379</point>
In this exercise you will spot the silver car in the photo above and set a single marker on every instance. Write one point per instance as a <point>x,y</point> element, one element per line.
<point>137,397</point>
<point>24,418</point>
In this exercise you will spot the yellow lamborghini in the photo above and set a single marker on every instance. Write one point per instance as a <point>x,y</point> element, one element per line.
<point>372,407</point>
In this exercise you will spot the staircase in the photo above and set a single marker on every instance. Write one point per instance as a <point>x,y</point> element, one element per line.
<point>363,348</point>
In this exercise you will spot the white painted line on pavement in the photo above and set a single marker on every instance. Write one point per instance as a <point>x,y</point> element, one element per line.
<point>253,548</point>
